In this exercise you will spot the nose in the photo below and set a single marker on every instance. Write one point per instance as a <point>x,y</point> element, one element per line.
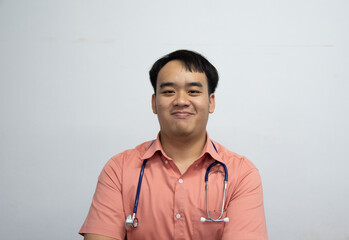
<point>181,99</point>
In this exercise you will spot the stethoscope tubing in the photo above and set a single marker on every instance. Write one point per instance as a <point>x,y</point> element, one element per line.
<point>224,190</point>
<point>213,164</point>
<point>139,187</point>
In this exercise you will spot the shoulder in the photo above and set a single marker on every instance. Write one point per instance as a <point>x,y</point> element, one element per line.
<point>133,155</point>
<point>243,174</point>
<point>234,160</point>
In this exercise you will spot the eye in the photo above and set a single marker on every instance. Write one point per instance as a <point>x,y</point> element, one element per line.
<point>194,92</point>
<point>167,92</point>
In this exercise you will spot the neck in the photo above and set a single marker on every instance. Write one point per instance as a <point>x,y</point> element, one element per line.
<point>183,150</point>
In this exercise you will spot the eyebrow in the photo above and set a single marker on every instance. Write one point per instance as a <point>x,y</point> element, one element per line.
<point>171,84</point>
<point>166,84</point>
<point>195,84</point>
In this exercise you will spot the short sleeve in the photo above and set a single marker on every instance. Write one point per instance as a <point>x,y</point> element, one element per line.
<point>246,210</point>
<point>106,215</point>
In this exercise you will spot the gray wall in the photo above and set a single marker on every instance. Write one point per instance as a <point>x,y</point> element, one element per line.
<point>75,91</point>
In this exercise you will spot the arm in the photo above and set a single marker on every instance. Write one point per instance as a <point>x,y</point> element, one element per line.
<point>246,210</point>
<point>91,236</point>
<point>106,215</point>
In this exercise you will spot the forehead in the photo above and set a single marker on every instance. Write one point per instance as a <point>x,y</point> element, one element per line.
<point>176,72</point>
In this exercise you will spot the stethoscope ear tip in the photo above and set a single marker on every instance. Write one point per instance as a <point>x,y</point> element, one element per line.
<point>202,219</point>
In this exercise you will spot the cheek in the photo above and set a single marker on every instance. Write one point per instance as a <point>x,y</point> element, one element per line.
<point>202,105</point>
<point>161,108</point>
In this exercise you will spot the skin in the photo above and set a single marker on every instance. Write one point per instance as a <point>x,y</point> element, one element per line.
<point>183,105</point>
<point>91,236</point>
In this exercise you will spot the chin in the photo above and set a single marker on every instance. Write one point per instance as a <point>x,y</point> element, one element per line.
<point>179,132</point>
<point>184,132</point>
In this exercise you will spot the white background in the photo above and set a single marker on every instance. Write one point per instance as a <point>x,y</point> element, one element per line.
<point>75,91</point>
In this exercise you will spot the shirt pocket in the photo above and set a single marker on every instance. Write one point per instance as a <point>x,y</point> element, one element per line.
<point>207,230</point>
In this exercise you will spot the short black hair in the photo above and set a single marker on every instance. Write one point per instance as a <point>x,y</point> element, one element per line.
<point>192,61</point>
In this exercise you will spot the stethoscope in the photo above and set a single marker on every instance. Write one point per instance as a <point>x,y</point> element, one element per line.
<point>132,221</point>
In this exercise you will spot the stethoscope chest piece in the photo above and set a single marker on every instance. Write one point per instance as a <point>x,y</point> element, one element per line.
<point>131,222</point>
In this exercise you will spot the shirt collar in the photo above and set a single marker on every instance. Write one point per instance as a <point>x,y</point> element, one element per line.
<point>209,148</point>
<point>154,147</point>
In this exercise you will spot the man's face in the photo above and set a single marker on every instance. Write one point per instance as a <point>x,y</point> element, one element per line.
<point>182,102</point>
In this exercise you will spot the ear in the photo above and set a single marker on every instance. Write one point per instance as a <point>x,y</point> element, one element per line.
<point>153,103</point>
<point>212,103</point>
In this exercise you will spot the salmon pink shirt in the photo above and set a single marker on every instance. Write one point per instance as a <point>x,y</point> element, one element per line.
<point>171,204</point>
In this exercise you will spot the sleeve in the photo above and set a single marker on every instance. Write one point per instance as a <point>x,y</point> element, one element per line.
<point>106,216</point>
<point>246,210</point>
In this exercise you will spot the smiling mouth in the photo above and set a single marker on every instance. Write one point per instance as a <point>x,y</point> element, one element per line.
<point>181,114</point>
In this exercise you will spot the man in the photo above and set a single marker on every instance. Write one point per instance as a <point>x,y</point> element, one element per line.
<point>172,202</point>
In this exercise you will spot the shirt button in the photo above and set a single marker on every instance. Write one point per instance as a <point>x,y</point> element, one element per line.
<point>166,161</point>
<point>178,216</point>
<point>180,180</point>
